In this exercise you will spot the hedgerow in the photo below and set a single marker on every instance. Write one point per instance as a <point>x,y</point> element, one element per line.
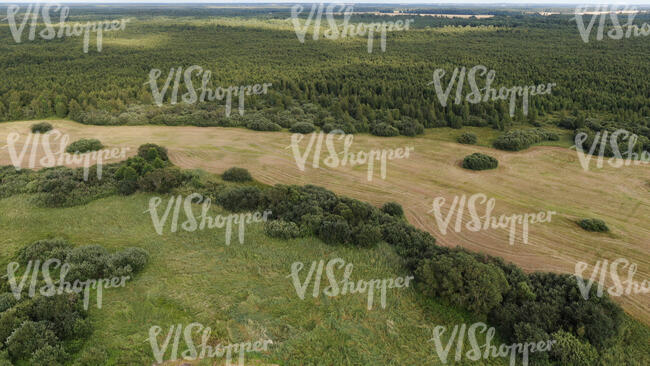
<point>515,140</point>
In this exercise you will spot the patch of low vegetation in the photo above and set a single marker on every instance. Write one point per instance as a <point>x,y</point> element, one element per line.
<point>84,145</point>
<point>596,225</point>
<point>42,328</point>
<point>516,140</point>
<point>467,138</point>
<point>393,209</point>
<point>486,286</point>
<point>302,127</point>
<point>235,174</point>
<point>42,127</point>
<point>478,161</point>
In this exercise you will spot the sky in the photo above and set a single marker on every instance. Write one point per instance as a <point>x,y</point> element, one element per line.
<point>484,2</point>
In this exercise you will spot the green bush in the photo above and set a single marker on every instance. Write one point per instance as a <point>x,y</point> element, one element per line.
<point>236,199</point>
<point>334,230</point>
<point>467,138</point>
<point>384,129</point>
<point>144,151</point>
<point>42,127</point>
<point>282,229</point>
<point>597,225</point>
<point>515,140</point>
<point>161,180</point>
<point>43,250</point>
<point>28,338</point>
<point>571,351</point>
<point>393,209</point>
<point>478,161</point>
<point>302,127</point>
<point>262,124</point>
<point>366,236</point>
<point>235,174</point>
<point>462,280</point>
<point>409,127</point>
<point>84,145</point>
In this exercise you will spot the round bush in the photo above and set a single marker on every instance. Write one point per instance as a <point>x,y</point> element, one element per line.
<point>596,225</point>
<point>42,127</point>
<point>161,180</point>
<point>144,151</point>
<point>467,138</point>
<point>263,125</point>
<point>393,209</point>
<point>235,174</point>
<point>236,199</point>
<point>478,161</point>
<point>302,127</point>
<point>282,229</point>
<point>367,236</point>
<point>334,230</point>
<point>84,145</point>
<point>384,129</point>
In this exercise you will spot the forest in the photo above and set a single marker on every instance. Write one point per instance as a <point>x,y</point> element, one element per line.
<point>331,84</point>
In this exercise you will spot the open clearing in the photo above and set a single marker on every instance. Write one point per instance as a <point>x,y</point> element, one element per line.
<point>542,178</point>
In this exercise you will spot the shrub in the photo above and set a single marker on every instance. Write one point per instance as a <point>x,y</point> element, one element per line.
<point>302,127</point>
<point>384,129</point>
<point>478,161</point>
<point>28,338</point>
<point>467,138</point>
<point>129,260</point>
<point>393,209</point>
<point>571,351</point>
<point>597,225</point>
<point>462,280</point>
<point>84,145</point>
<point>235,174</point>
<point>42,127</point>
<point>144,151</point>
<point>366,236</point>
<point>7,300</point>
<point>409,127</point>
<point>282,229</point>
<point>262,124</point>
<point>161,180</point>
<point>334,230</point>
<point>48,355</point>
<point>237,199</point>
<point>43,250</point>
<point>516,140</point>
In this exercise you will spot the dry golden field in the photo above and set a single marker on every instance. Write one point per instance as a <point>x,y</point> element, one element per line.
<point>542,178</point>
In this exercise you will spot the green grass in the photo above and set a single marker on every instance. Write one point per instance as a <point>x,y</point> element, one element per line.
<point>240,291</point>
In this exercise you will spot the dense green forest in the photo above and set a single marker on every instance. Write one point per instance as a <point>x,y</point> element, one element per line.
<point>329,83</point>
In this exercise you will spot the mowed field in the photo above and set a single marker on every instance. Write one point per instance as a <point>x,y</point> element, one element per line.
<point>543,178</point>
